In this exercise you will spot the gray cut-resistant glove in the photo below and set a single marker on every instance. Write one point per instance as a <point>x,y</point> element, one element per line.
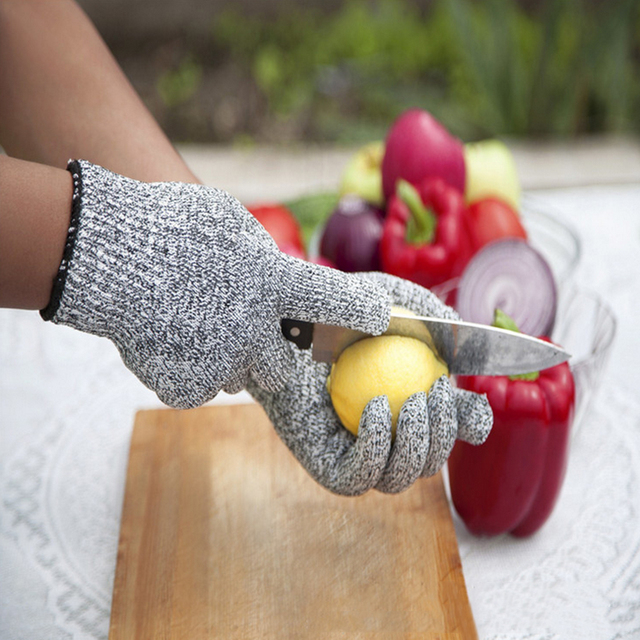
<point>427,427</point>
<point>191,288</point>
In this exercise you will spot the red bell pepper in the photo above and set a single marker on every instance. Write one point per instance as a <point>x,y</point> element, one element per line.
<point>492,219</point>
<point>282,226</point>
<point>512,481</point>
<point>425,237</point>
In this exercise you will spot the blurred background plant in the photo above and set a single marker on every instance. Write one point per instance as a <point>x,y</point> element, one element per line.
<point>309,73</point>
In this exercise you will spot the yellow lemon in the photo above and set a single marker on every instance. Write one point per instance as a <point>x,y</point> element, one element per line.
<point>391,365</point>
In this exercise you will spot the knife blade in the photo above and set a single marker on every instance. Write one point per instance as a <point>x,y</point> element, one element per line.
<point>466,348</point>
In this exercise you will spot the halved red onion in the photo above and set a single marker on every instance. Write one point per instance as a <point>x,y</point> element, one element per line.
<point>513,276</point>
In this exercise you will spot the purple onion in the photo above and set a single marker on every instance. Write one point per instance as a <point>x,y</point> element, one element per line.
<point>512,276</point>
<point>352,234</point>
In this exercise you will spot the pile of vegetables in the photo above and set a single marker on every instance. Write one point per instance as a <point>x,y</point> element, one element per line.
<point>424,206</point>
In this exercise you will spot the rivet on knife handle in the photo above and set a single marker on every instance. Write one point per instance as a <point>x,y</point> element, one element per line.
<point>298,332</point>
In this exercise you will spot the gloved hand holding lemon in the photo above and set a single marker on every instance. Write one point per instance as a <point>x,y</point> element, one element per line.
<point>391,391</point>
<point>391,365</point>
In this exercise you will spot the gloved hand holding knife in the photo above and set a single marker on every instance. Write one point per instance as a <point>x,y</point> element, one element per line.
<point>191,289</point>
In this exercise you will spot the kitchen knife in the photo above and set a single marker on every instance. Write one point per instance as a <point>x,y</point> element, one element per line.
<point>465,347</point>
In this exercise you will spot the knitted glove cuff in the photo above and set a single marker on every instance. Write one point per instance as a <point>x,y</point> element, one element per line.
<point>58,284</point>
<point>101,260</point>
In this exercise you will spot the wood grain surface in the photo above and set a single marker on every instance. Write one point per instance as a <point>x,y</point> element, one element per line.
<point>224,535</point>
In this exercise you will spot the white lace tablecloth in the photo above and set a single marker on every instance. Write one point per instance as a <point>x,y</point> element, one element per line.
<point>66,411</point>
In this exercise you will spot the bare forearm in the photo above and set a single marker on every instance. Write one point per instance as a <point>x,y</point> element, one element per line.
<point>35,209</point>
<point>62,96</point>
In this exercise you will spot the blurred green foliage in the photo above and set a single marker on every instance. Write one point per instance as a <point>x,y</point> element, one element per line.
<point>483,68</point>
<point>177,86</point>
<point>310,211</point>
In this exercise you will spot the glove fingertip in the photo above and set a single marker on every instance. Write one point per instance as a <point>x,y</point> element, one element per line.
<point>413,296</point>
<point>410,447</point>
<point>321,294</point>
<point>442,423</point>
<point>475,416</point>
<point>441,391</point>
<point>414,409</point>
<point>374,431</point>
<point>377,413</point>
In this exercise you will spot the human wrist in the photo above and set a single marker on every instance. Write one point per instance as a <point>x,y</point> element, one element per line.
<point>35,206</point>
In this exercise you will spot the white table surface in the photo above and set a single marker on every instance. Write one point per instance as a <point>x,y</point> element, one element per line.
<point>67,405</point>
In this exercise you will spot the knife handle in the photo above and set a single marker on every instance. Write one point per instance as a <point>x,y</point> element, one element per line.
<point>298,331</point>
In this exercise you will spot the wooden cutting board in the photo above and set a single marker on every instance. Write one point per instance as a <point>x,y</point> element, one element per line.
<point>224,535</point>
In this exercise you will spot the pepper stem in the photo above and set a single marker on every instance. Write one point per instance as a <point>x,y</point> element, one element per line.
<point>422,223</point>
<point>501,320</point>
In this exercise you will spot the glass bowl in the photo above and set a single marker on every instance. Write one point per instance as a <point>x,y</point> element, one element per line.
<point>553,237</point>
<point>586,328</point>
